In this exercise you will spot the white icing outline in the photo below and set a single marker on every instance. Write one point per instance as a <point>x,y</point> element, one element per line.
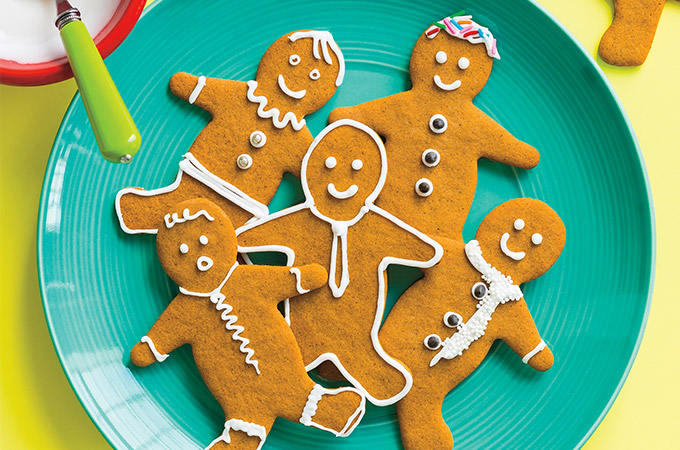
<point>315,395</point>
<point>194,169</point>
<point>273,113</point>
<point>424,194</point>
<point>357,164</point>
<point>258,133</point>
<point>247,158</point>
<point>517,256</point>
<point>518,224</point>
<point>486,37</point>
<point>342,195</point>
<point>160,357</point>
<point>446,86</point>
<point>438,116</point>
<point>184,249</point>
<point>323,39</point>
<point>331,162</point>
<point>292,60</point>
<point>541,345</point>
<point>218,299</point>
<point>173,219</point>
<point>340,227</point>
<point>200,84</point>
<point>204,263</point>
<point>463,63</point>
<point>441,57</point>
<point>297,95</point>
<point>315,74</point>
<point>501,290</point>
<point>298,279</point>
<point>537,238</point>
<point>250,428</point>
<point>422,157</point>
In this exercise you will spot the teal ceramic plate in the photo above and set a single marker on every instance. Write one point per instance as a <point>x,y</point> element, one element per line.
<point>102,289</point>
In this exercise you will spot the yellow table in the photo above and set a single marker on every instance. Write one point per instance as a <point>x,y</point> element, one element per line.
<point>38,408</point>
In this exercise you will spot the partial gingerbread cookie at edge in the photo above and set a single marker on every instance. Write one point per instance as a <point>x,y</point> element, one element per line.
<point>243,347</point>
<point>629,39</point>
<point>434,134</point>
<point>443,326</point>
<point>257,132</point>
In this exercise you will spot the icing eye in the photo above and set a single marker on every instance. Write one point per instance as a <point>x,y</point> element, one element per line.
<point>430,157</point>
<point>536,238</point>
<point>294,60</point>
<point>441,57</point>
<point>203,239</point>
<point>433,342</point>
<point>463,63</point>
<point>258,139</point>
<point>331,162</point>
<point>452,319</point>
<point>204,263</point>
<point>479,290</point>
<point>357,164</point>
<point>184,248</point>
<point>438,123</point>
<point>519,224</point>
<point>424,187</point>
<point>315,74</point>
<point>244,161</point>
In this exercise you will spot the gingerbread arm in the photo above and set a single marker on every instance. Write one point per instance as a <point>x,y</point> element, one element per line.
<point>523,338</point>
<point>285,282</point>
<point>206,93</point>
<point>167,334</point>
<point>497,144</point>
<point>376,114</point>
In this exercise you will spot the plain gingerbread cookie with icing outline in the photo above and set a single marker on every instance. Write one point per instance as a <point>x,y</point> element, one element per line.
<point>243,348</point>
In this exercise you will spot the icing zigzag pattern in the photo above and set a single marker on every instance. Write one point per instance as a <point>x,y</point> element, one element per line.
<point>230,319</point>
<point>273,113</point>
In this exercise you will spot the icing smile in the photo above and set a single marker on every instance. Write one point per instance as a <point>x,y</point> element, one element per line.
<point>447,87</point>
<point>290,93</point>
<point>342,195</point>
<point>517,256</point>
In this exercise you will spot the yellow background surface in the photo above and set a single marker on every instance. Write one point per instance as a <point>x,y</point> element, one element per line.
<point>37,406</point>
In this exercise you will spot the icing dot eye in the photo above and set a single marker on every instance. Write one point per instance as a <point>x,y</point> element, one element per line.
<point>424,187</point>
<point>315,74</point>
<point>184,248</point>
<point>479,290</point>
<point>441,57</point>
<point>357,164</point>
<point>331,162</point>
<point>203,239</point>
<point>204,263</point>
<point>294,60</point>
<point>463,63</point>
<point>452,319</point>
<point>258,139</point>
<point>430,157</point>
<point>519,224</point>
<point>244,161</point>
<point>536,238</point>
<point>438,123</point>
<point>433,342</point>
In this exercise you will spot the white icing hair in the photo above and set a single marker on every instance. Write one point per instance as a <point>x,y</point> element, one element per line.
<point>323,40</point>
<point>171,220</point>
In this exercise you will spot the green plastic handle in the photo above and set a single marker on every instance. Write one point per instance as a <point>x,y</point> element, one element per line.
<point>116,132</point>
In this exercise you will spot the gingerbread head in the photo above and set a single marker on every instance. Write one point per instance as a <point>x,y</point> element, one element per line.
<point>522,238</point>
<point>453,56</point>
<point>304,68</point>
<point>197,245</point>
<point>340,180</point>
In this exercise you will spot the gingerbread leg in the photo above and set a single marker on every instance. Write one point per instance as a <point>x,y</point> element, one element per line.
<point>421,422</point>
<point>242,435</point>
<point>337,411</point>
<point>629,38</point>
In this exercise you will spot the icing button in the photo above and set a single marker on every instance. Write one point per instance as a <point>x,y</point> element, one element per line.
<point>430,157</point>
<point>479,290</point>
<point>258,139</point>
<point>433,342</point>
<point>438,123</point>
<point>424,187</point>
<point>452,319</point>
<point>244,161</point>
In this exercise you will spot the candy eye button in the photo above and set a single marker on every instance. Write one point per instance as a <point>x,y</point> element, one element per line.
<point>430,157</point>
<point>244,161</point>
<point>452,319</point>
<point>432,342</point>
<point>479,290</point>
<point>438,123</point>
<point>258,139</point>
<point>424,187</point>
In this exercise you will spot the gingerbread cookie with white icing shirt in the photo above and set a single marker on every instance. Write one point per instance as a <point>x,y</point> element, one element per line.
<point>242,345</point>
<point>340,227</point>
<point>256,134</point>
<point>434,134</point>
<point>443,326</point>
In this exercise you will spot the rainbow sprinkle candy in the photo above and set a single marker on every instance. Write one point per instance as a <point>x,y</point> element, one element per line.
<point>463,27</point>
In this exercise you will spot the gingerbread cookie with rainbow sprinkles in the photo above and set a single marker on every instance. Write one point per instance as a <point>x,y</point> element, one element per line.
<point>340,227</point>
<point>443,326</point>
<point>257,132</point>
<point>242,345</point>
<point>434,134</point>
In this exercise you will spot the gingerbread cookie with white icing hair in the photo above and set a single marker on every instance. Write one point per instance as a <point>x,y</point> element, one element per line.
<point>242,345</point>
<point>340,227</point>
<point>257,132</point>
<point>443,326</point>
<point>434,134</point>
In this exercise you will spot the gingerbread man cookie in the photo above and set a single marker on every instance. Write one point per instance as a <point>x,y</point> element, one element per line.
<point>443,326</point>
<point>629,38</point>
<point>433,133</point>
<point>257,132</point>
<point>339,227</point>
<point>242,345</point>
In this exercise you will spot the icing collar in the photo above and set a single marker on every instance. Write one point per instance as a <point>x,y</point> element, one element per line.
<point>273,113</point>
